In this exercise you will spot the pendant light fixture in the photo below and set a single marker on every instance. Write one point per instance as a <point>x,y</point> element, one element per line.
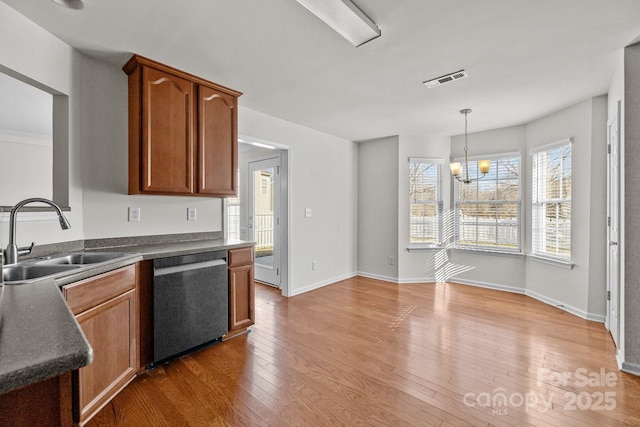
<point>456,167</point>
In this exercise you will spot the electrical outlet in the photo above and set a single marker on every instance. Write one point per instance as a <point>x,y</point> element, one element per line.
<point>390,260</point>
<point>191,214</point>
<point>314,265</point>
<point>134,214</point>
<point>307,213</point>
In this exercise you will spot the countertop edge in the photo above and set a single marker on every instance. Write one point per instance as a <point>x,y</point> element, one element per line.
<point>35,320</point>
<point>163,250</point>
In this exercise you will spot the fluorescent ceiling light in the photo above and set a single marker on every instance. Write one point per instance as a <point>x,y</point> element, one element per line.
<point>71,4</point>
<point>345,18</point>
<point>259,144</point>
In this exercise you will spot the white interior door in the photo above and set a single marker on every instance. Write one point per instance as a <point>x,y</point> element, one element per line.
<point>263,221</point>
<point>613,220</point>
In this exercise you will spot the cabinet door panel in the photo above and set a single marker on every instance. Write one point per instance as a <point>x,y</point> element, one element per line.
<point>110,329</point>
<point>217,138</point>
<point>241,297</point>
<point>168,123</point>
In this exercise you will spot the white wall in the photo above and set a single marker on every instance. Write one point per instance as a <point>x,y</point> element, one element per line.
<point>378,208</point>
<point>574,287</point>
<point>28,158</point>
<point>24,108</point>
<point>105,168</point>
<point>598,191</point>
<point>631,207</point>
<point>323,177</point>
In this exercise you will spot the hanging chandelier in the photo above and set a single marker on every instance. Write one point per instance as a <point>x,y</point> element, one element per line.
<point>456,167</point>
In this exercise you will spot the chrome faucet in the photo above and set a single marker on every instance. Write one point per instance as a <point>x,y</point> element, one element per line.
<point>12,251</point>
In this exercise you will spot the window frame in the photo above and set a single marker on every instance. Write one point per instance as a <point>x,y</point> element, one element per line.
<point>518,250</point>
<point>438,203</point>
<point>536,204</point>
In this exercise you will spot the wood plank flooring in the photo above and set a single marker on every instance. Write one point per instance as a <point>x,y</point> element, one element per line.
<point>367,352</point>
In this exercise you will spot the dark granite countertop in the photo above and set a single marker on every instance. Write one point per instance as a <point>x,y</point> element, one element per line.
<point>39,337</point>
<point>162,250</point>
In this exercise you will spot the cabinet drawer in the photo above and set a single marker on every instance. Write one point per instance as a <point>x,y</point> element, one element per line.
<point>90,292</point>
<point>241,256</point>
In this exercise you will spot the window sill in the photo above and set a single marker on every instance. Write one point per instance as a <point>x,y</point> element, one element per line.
<point>552,261</point>
<point>32,214</point>
<point>489,251</point>
<point>424,248</point>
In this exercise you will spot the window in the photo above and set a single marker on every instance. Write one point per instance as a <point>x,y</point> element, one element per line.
<point>487,211</point>
<point>551,201</point>
<point>233,214</point>
<point>425,202</point>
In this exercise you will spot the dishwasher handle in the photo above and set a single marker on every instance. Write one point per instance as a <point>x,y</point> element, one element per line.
<point>188,267</point>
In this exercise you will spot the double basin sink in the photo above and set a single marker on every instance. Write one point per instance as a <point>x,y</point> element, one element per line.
<point>56,266</point>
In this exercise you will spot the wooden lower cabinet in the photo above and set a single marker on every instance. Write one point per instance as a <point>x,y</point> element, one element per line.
<point>45,403</point>
<point>241,289</point>
<point>105,308</point>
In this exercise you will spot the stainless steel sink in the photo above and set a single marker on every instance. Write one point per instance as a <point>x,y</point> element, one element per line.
<point>82,258</point>
<point>57,266</point>
<point>20,272</point>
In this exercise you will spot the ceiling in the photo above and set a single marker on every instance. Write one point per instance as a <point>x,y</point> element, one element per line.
<point>524,58</point>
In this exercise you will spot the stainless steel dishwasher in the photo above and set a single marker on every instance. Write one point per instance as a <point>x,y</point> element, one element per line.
<point>190,303</point>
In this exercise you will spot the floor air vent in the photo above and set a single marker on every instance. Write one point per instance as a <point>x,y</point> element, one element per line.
<point>446,79</point>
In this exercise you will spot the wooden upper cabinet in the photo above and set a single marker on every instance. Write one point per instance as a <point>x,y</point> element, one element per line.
<point>182,132</point>
<point>217,118</point>
<point>167,133</point>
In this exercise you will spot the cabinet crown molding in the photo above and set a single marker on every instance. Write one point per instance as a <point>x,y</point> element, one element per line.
<point>137,60</point>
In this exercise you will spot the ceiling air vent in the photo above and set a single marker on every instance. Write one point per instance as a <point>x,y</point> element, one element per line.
<point>446,79</point>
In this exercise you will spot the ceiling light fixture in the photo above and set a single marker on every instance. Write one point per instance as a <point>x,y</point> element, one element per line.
<point>456,167</point>
<point>345,18</point>
<point>71,4</point>
<point>261,145</point>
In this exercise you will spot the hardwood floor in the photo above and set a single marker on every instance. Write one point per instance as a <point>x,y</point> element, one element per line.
<point>366,352</point>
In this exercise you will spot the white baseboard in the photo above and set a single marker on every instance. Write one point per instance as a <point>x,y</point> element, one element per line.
<point>493,286</point>
<point>558,304</point>
<point>417,280</point>
<point>396,280</point>
<point>631,368</point>
<point>569,309</point>
<point>378,277</point>
<point>322,284</point>
<point>619,359</point>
